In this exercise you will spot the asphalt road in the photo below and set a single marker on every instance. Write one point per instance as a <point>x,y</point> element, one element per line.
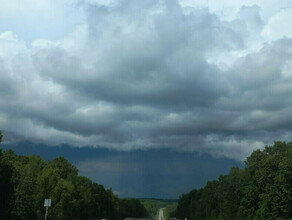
<point>160,215</point>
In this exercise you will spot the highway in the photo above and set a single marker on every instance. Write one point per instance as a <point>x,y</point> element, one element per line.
<point>160,215</point>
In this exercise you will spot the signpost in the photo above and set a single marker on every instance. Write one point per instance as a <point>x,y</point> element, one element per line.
<point>47,204</point>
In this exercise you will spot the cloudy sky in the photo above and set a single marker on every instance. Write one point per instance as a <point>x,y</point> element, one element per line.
<point>192,76</point>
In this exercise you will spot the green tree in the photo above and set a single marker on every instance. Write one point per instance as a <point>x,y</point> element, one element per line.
<point>65,169</point>
<point>6,186</point>
<point>26,190</point>
<point>131,208</point>
<point>25,181</point>
<point>62,199</point>
<point>262,190</point>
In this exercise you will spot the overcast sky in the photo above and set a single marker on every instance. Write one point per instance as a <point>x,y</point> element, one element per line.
<point>212,77</point>
<point>155,173</point>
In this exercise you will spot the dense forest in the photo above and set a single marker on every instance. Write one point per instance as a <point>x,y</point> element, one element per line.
<point>262,190</point>
<point>25,181</point>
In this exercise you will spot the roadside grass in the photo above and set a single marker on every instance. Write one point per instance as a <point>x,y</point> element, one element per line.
<point>169,209</point>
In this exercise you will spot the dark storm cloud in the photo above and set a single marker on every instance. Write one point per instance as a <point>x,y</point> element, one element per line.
<point>152,74</point>
<point>156,173</point>
<point>149,60</point>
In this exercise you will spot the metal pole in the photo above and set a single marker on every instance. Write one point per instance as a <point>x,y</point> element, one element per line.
<point>46,213</point>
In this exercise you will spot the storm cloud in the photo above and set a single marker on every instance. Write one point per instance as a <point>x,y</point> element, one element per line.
<point>153,74</point>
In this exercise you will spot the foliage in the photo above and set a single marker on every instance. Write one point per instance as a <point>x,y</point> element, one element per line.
<point>6,186</point>
<point>262,190</point>
<point>169,210</point>
<point>25,181</point>
<point>132,208</point>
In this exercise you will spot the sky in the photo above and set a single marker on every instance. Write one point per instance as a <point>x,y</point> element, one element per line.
<point>194,77</point>
<point>156,173</point>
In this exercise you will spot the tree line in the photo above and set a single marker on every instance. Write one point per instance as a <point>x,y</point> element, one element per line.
<point>25,181</point>
<point>261,190</point>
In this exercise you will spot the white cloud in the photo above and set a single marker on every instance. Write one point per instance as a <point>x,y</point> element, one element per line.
<point>10,45</point>
<point>279,26</point>
<point>227,9</point>
<point>33,19</point>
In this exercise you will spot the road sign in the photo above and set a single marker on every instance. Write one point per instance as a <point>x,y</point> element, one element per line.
<point>47,202</point>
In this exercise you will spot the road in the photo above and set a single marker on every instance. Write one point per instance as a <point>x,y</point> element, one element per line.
<point>160,215</point>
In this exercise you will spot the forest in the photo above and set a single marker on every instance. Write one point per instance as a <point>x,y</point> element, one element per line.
<point>25,181</point>
<point>261,190</point>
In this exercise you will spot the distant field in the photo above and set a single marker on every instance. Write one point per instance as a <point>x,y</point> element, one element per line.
<point>153,205</point>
